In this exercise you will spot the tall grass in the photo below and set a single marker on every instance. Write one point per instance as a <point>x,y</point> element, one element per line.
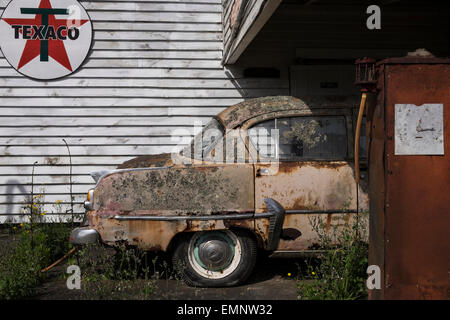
<point>31,247</point>
<point>339,273</point>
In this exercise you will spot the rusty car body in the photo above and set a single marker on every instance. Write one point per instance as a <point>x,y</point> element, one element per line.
<point>270,191</point>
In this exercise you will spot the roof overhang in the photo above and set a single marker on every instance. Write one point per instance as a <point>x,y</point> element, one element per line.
<point>244,18</point>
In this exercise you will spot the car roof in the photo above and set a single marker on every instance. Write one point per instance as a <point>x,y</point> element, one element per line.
<point>239,113</point>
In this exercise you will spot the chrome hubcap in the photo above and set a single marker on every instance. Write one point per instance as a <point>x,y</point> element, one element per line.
<point>214,251</point>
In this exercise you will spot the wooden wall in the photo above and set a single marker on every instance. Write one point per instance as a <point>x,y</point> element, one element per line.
<point>154,67</point>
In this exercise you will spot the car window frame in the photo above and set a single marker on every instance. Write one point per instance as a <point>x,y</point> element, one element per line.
<point>207,151</point>
<point>345,112</point>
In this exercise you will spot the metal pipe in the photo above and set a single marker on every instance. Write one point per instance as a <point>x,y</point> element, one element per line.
<point>357,134</point>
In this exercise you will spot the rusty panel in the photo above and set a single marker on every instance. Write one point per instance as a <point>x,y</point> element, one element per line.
<point>177,190</point>
<point>417,203</point>
<point>149,235</point>
<point>313,185</point>
<point>299,232</point>
<point>309,185</point>
<point>375,124</point>
<point>262,227</point>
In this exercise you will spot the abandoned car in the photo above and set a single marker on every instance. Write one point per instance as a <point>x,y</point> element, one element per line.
<point>253,178</point>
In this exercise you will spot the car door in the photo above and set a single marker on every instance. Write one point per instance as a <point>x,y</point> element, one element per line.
<point>303,162</point>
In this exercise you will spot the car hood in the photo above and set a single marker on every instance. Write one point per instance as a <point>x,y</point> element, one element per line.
<point>149,161</point>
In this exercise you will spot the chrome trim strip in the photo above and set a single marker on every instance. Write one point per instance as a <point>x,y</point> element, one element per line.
<point>203,218</point>
<point>319,211</point>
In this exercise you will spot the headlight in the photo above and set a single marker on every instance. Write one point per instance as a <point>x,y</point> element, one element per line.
<point>89,200</point>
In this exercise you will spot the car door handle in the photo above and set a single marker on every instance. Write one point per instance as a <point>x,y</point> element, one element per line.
<point>262,172</point>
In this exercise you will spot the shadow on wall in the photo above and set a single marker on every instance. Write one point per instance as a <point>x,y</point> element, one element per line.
<point>13,184</point>
<point>255,82</point>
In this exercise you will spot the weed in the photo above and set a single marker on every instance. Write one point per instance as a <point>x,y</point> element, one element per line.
<point>340,271</point>
<point>120,273</point>
<point>21,263</point>
<point>36,245</point>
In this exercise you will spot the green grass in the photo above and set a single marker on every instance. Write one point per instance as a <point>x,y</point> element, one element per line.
<point>24,258</point>
<point>339,272</point>
<point>123,273</point>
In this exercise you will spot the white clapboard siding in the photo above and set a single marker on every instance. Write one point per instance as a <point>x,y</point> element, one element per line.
<point>154,72</point>
<point>134,92</point>
<point>64,159</point>
<point>157,45</point>
<point>110,112</point>
<point>56,179</point>
<point>147,83</point>
<point>94,131</point>
<point>185,73</point>
<point>103,100</point>
<point>16,208</point>
<point>21,189</point>
<point>18,191</point>
<point>82,150</point>
<point>157,26</point>
<point>152,7</point>
<point>155,54</point>
<point>157,36</point>
<point>47,170</point>
<point>63,198</point>
<point>152,63</point>
<point>160,16</point>
<point>3,3</point>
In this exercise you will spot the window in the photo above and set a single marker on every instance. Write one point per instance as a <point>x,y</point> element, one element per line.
<point>263,136</point>
<point>301,138</point>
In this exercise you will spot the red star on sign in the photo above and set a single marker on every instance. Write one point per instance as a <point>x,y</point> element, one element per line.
<point>56,48</point>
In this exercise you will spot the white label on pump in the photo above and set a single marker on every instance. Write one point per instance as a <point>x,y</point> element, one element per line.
<point>419,130</point>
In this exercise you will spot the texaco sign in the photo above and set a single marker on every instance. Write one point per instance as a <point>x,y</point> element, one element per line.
<point>45,39</point>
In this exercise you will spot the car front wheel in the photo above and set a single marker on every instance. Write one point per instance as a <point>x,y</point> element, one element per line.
<point>215,258</point>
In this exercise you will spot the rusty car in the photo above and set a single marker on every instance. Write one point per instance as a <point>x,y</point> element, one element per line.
<point>250,181</point>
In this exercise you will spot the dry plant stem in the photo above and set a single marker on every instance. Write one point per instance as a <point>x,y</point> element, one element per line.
<point>58,261</point>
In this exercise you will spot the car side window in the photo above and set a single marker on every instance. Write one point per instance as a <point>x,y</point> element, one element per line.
<point>263,137</point>
<point>302,138</point>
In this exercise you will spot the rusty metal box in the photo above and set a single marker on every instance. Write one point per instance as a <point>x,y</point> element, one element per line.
<point>409,177</point>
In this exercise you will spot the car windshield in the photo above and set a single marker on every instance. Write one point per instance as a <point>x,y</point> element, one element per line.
<point>204,141</point>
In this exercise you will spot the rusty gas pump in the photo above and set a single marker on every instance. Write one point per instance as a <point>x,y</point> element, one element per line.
<point>409,174</point>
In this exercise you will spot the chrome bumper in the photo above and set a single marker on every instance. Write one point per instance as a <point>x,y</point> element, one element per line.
<point>83,236</point>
